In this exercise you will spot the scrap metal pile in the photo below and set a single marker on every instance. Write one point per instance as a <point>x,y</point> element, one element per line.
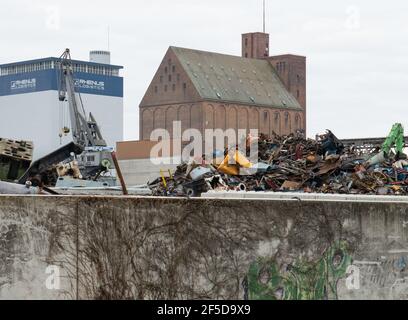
<point>293,163</point>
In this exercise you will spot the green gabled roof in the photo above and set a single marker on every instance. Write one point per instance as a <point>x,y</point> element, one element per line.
<point>234,79</point>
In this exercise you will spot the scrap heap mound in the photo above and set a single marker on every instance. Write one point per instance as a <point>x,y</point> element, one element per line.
<point>291,163</point>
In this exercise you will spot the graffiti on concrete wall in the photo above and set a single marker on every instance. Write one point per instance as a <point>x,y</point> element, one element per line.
<point>302,280</point>
<point>389,273</point>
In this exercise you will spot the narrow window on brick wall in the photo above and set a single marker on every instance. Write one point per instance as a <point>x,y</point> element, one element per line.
<point>174,87</point>
<point>184,86</point>
<point>298,94</point>
<point>246,42</point>
<point>169,77</point>
<point>161,79</point>
<point>178,77</point>
<point>297,121</point>
<point>156,89</point>
<point>174,68</point>
<point>165,70</point>
<point>286,119</point>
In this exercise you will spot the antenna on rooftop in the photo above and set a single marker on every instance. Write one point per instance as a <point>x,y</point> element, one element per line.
<point>108,38</point>
<point>264,16</point>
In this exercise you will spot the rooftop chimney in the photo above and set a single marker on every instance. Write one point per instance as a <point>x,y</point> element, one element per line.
<point>255,45</point>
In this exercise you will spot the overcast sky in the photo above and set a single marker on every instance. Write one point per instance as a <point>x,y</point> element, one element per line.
<point>357,51</point>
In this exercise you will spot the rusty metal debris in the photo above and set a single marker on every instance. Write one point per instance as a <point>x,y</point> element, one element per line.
<point>293,163</point>
<point>20,175</point>
<point>15,158</point>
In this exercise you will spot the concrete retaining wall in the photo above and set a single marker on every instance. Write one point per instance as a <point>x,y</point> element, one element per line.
<point>153,248</point>
<point>141,171</point>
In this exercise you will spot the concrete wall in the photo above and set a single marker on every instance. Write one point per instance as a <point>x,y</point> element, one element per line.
<point>142,171</point>
<point>153,248</point>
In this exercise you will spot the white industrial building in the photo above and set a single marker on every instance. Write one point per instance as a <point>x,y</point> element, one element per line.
<point>31,110</point>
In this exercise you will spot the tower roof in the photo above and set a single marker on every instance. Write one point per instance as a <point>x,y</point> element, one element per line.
<point>234,79</point>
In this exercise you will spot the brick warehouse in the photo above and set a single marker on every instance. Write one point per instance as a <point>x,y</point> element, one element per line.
<point>206,90</point>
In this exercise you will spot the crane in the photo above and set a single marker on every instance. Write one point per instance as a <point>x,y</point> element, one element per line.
<point>97,156</point>
<point>396,137</point>
<point>84,162</point>
<point>85,132</point>
<point>395,140</point>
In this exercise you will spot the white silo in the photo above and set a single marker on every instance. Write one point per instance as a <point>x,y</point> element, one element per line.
<point>100,56</point>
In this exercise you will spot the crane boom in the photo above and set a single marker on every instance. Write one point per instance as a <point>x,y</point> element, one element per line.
<point>85,133</point>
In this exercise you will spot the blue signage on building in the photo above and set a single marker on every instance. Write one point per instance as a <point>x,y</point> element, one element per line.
<point>45,80</point>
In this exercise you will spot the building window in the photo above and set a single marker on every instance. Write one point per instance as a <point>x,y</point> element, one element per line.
<point>174,68</point>
<point>246,42</point>
<point>174,87</point>
<point>169,77</point>
<point>298,79</point>
<point>286,119</point>
<point>178,77</point>
<point>246,55</point>
<point>52,64</point>
<point>281,66</point>
<point>297,122</point>
<point>165,88</point>
<point>298,94</point>
<point>156,89</point>
<point>165,70</point>
<point>184,86</point>
<point>161,79</point>
<point>277,120</point>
